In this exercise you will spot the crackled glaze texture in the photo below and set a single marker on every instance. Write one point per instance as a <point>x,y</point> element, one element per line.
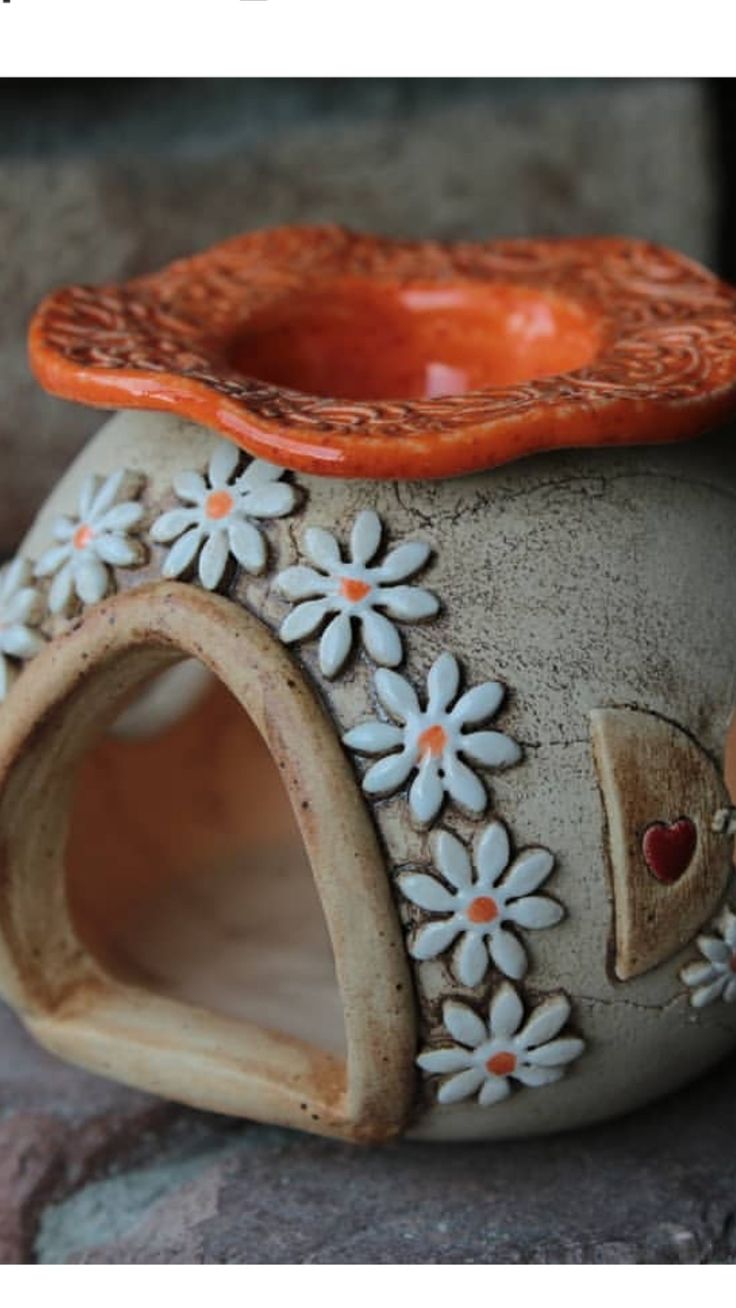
<point>351,355</point>
<point>574,582</point>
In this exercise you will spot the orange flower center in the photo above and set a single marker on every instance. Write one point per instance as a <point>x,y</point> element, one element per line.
<point>82,536</point>
<point>218,504</point>
<point>353,590</point>
<point>433,740</point>
<point>482,909</point>
<point>502,1064</point>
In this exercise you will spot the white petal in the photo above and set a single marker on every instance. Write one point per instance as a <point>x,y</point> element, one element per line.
<point>213,560</point>
<point>443,1060</point>
<point>335,644</point>
<point>427,791</point>
<point>64,529</point>
<point>508,954</point>
<point>427,892</point>
<point>491,748</point>
<point>556,1053</point>
<point>303,620</point>
<point>273,501</point>
<point>479,704</point>
<point>538,1076</point>
<point>13,576</point>
<point>696,974</point>
<point>545,1022</point>
<point>433,939</point>
<point>385,777</point>
<point>396,695</point>
<point>52,559</point>
<point>528,871</point>
<point>365,537</point>
<point>87,494</point>
<point>182,553</point>
<point>26,606</point>
<point>461,1086</point>
<point>91,579</point>
<point>322,548</point>
<point>506,1011</point>
<point>464,1024</point>
<point>535,912</point>
<point>62,590</point>
<point>224,461</point>
<point>191,487</point>
<point>121,517</point>
<point>715,950</point>
<point>706,994</point>
<point>470,962</point>
<point>453,860</point>
<point>381,638</point>
<point>493,1091</point>
<point>464,786</point>
<point>373,737</point>
<point>172,524</point>
<point>408,603</point>
<point>403,561</point>
<point>247,545</point>
<point>259,473</point>
<point>492,853</point>
<point>728,927</point>
<point>20,642</point>
<point>106,495</point>
<point>442,683</point>
<point>729,993</point>
<point>118,550</point>
<point>299,583</point>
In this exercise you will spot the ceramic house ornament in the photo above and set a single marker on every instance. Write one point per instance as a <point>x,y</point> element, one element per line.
<point>366,685</point>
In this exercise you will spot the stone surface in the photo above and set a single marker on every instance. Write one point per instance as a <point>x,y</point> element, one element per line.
<point>93,1173</point>
<point>112,180</point>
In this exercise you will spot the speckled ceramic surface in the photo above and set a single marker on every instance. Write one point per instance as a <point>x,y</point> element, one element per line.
<point>499,705</point>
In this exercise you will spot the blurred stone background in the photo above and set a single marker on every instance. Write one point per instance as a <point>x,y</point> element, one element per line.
<point>105,180</point>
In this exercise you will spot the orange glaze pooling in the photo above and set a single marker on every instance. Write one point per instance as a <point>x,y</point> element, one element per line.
<point>82,536</point>
<point>354,590</point>
<point>502,1064</point>
<point>218,504</point>
<point>349,355</point>
<point>433,741</point>
<point>483,909</point>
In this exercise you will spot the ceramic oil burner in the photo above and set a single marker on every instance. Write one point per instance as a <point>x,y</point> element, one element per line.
<point>356,772</point>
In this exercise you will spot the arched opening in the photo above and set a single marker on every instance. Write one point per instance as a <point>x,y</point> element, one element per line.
<point>186,872</point>
<point>162,892</point>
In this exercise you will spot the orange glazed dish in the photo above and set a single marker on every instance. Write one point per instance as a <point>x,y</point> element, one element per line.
<point>356,356</point>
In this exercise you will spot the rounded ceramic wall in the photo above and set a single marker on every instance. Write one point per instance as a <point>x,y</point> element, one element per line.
<point>551,842</point>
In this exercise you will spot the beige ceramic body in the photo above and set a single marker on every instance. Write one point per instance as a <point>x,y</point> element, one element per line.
<point>582,580</point>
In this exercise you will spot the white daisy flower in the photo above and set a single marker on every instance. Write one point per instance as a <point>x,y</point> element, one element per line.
<point>430,740</point>
<point>214,524</point>
<point>21,608</point>
<point>715,977</point>
<point>489,1056</point>
<point>90,545</point>
<point>355,590</point>
<point>478,905</point>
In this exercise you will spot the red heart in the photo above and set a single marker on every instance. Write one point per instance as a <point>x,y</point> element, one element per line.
<point>668,849</point>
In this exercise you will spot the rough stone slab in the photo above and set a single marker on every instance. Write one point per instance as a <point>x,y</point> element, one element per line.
<point>93,1173</point>
<point>59,1126</point>
<point>119,181</point>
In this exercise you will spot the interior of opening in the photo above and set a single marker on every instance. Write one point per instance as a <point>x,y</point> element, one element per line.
<point>186,870</point>
<point>366,340</point>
